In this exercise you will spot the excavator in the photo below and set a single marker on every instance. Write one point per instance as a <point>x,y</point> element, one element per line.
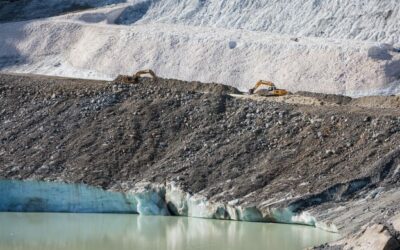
<point>262,88</point>
<point>267,88</point>
<point>135,77</point>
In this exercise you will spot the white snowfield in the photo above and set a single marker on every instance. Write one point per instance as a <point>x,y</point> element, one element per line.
<point>343,47</point>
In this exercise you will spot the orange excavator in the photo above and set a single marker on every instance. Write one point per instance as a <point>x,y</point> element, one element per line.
<point>266,88</point>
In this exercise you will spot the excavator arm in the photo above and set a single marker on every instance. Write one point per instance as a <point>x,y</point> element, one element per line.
<point>265,83</point>
<point>136,76</point>
<point>146,72</point>
<point>271,86</point>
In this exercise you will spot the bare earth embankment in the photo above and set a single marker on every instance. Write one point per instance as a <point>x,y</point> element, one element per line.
<point>332,161</point>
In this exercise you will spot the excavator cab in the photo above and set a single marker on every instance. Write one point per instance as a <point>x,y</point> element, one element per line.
<point>266,88</point>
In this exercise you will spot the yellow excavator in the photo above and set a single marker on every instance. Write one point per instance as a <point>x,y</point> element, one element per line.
<point>262,88</point>
<point>266,88</point>
<point>135,77</point>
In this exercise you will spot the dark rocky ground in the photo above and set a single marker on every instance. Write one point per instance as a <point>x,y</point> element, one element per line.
<point>313,157</point>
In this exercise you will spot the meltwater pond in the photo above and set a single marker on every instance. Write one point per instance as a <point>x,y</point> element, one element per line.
<point>56,231</point>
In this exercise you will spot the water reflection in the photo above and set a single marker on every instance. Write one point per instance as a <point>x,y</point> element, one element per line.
<point>109,231</point>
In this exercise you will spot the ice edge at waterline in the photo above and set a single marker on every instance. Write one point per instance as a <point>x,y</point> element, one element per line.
<point>144,199</point>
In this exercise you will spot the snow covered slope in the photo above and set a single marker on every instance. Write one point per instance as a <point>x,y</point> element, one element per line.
<point>300,45</point>
<point>377,20</point>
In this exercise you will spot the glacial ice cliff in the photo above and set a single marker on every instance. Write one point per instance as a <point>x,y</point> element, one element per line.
<point>144,199</point>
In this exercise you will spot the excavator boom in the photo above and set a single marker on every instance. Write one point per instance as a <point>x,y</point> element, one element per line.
<point>264,83</point>
<point>134,78</point>
<point>146,72</point>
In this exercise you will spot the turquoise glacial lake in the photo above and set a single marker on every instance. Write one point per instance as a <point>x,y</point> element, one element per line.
<point>53,231</point>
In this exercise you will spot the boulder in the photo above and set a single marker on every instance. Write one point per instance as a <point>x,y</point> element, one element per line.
<point>375,237</point>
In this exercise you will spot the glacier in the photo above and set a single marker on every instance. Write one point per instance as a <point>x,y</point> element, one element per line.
<point>34,196</point>
<point>40,196</point>
<point>338,47</point>
<point>144,198</point>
